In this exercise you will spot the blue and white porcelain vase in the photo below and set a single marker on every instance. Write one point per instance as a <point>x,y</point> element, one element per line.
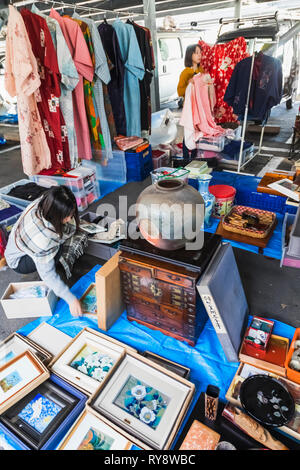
<point>209,199</point>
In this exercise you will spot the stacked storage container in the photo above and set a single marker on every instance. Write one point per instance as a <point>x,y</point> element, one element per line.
<point>139,165</point>
<point>81,181</point>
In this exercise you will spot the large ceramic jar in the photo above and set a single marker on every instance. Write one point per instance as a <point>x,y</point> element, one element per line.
<point>169,213</point>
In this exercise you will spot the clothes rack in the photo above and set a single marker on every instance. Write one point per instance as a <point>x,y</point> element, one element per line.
<point>242,163</point>
<point>61,4</point>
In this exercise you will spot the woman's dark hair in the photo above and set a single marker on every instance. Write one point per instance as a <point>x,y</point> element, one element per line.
<point>56,204</point>
<point>188,62</point>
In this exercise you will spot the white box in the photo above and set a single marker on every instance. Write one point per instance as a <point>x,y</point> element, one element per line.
<point>50,338</point>
<point>30,307</point>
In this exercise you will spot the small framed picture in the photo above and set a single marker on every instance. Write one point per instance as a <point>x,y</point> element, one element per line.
<point>142,400</point>
<point>89,301</point>
<point>21,373</point>
<point>37,416</point>
<point>88,360</point>
<point>16,344</point>
<point>90,432</point>
<point>91,228</point>
<point>8,441</point>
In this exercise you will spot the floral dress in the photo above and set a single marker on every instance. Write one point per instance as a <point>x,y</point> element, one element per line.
<point>49,91</point>
<point>219,61</point>
<point>89,96</point>
<point>22,79</point>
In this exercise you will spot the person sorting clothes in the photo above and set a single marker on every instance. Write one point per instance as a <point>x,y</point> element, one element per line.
<point>192,63</point>
<point>39,239</point>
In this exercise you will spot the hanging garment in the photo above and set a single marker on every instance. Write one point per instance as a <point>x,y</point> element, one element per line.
<point>115,87</point>
<point>89,95</point>
<point>197,111</point>
<point>134,71</point>
<point>69,80</point>
<point>219,61</point>
<point>203,102</point>
<point>22,80</point>
<point>49,91</point>
<point>102,76</point>
<point>145,48</point>
<point>191,135</point>
<point>83,63</point>
<point>266,87</point>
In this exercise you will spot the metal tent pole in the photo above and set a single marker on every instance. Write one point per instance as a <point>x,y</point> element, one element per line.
<point>246,108</point>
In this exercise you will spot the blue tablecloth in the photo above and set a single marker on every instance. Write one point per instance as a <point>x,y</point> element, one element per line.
<point>206,360</point>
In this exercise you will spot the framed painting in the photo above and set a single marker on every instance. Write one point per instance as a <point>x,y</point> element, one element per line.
<point>90,432</point>
<point>16,344</point>
<point>142,400</point>
<point>88,360</point>
<point>89,301</point>
<point>8,441</point>
<point>44,412</point>
<point>18,377</point>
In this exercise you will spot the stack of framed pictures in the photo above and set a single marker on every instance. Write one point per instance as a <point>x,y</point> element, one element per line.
<point>42,417</point>
<point>146,401</point>
<point>96,394</point>
<point>16,344</point>
<point>18,377</point>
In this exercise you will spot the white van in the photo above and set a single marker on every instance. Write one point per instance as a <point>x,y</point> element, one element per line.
<point>171,51</point>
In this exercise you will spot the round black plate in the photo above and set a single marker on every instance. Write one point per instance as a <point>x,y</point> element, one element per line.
<point>267,400</point>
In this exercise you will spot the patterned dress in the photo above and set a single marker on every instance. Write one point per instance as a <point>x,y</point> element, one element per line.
<point>49,91</point>
<point>83,63</point>
<point>89,96</point>
<point>219,61</point>
<point>101,79</point>
<point>22,80</point>
<point>69,80</point>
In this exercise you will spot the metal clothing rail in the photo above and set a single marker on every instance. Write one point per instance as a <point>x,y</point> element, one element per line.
<point>240,163</point>
<point>61,4</point>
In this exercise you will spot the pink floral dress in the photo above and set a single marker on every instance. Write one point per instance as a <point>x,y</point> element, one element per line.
<point>22,80</point>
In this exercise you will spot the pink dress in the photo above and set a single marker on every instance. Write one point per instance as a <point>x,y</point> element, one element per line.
<point>201,106</point>
<point>83,63</point>
<point>22,79</point>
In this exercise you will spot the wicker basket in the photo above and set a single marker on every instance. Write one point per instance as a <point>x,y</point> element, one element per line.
<point>265,217</point>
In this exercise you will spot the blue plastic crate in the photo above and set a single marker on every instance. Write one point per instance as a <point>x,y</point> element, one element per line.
<point>139,165</point>
<point>263,201</point>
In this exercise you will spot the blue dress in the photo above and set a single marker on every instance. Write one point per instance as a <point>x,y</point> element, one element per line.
<point>134,71</point>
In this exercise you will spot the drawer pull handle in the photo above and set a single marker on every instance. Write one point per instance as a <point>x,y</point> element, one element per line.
<point>172,277</point>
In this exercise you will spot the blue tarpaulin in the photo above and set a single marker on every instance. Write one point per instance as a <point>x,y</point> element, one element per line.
<point>206,360</point>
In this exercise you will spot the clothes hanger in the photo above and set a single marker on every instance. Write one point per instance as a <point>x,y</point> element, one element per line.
<point>104,19</point>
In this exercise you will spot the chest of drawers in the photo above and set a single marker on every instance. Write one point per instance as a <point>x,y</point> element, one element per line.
<point>162,296</point>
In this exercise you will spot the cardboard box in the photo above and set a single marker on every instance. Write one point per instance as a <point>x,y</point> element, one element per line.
<point>110,303</point>
<point>30,307</point>
<point>50,338</point>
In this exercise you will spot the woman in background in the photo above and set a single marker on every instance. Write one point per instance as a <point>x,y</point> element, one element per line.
<point>192,63</point>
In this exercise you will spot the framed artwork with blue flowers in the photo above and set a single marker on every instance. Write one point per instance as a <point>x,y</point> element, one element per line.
<point>88,360</point>
<point>143,399</point>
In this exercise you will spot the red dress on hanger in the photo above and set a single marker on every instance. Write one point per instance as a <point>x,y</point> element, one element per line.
<point>49,91</point>
<point>219,61</point>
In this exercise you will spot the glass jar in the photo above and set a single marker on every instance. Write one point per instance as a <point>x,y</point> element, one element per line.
<point>209,199</point>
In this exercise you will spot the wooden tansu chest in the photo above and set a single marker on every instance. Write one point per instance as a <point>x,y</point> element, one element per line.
<point>162,296</point>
